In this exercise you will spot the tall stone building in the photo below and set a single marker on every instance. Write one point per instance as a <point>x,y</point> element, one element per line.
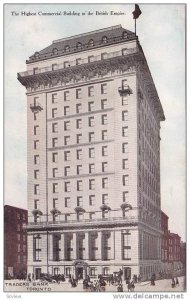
<point>93,157</point>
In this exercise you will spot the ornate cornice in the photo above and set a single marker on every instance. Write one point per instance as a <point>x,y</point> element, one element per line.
<point>76,74</point>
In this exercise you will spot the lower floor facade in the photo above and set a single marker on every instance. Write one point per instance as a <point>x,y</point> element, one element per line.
<point>94,250</point>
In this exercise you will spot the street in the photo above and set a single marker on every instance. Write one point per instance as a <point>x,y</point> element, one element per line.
<point>163,285</point>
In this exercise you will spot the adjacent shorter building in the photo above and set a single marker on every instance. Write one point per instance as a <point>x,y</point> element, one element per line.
<point>15,241</point>
<point>171,247</point>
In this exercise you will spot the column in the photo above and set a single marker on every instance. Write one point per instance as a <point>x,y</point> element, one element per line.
<point>50,236</point>
<point>99,245</point>
<point>86,246</point>
<point>74,246</point>
<point>62,254</point>
<point>112,245</point>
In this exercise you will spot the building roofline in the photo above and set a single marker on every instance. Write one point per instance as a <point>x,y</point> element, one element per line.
<point>87,33</point>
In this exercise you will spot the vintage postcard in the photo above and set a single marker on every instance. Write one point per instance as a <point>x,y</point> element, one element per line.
<point>95,151</point>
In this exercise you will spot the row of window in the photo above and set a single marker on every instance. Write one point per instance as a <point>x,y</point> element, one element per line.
<point>21,249</point>
<point>79,185</point>
<point>79,169</point>
<point>79,153</point>
<point>91,137</point>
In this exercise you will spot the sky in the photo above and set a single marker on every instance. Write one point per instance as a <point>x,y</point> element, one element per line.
<point>161,31</point>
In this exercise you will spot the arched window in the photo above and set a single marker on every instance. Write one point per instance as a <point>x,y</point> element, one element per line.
<point>104,39</point>
<point>67,48</point>
<point>91,43</point>
<point>55,51</point>
<point>37,55</point>
<point>125,34</point>
<point>79,46</point>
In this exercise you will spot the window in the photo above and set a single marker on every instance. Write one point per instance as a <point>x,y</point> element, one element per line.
<point>35,116</point>
<point>92,200</point>
<point>79,154</point>
<point>36,204</point>
<point>66,139</point>
<point>67,202</point>
<point>105,214</point>
<point>104,88</point>
<point>125,115</point>
<point>79,138</point>
<point>104,39</point>
<point>66,171</point>
<point>104,135</point>
<point>54,112</point>
<point>91,136</point>
<point>54,156</point>
<point>67,186</point>
<point>91,152</point>
<point>36,174</point>
<point>66,64</point>
<point>105,183</point>
<point>124,131</point>
<point>124,51</point>
<point>104,119</point>
<point>36,248</point>
<point>124,100</point>
<point>67,48</point>
<point>125,180</point>
<point>35,71</point>
<point>78,93</point>
<point>125,164</point>
<point>126,248</point>
<point>54,142</point>
<point>55,172</point>
<point>104,166</point>
<point>103,103</point>
<point>90,105</point>
<point>67,155</point>
<point>67,271</point>
<point>90,91</point>
<point>79,46</point>
<point>79,201</point>
<point>66,96</point>
<point>54,67</point>
<point>91,43</point>
<point>36,159</point>
<point>66,110</point>
<point>125,196</point>
<point>91,58</point>
<point>54,98</point>
<point>36,144</point>
<point>78,108</point>
<point>79,185</point>
<point>106,271</point>
<point>18,236</point>
<point>104,150</point>
<point>78,61</point>
<point>66,125</point>
<point>78,123</point>
<point>55,187</point>
<point>54,127</point>
<point>124,147</point>
<point>104,198</point>
<point>92,215</point>
<point>91,168</point>
<point>55,202</point>
<point>79,169</point>
<point>36,189</point>
<point>91,184</point>
<point>104,55</point>
<point>36,129</point>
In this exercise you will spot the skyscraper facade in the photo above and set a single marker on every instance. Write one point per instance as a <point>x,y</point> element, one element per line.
<point>93,157</point>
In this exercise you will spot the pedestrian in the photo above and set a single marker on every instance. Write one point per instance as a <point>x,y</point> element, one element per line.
<point>177,281</point>
<point>132,286</point>
<point>173,283</point>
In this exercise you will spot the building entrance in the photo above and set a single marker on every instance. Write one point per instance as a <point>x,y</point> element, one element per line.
<point>79,272</point>
<point>127,273</point>
<point>37,273</point>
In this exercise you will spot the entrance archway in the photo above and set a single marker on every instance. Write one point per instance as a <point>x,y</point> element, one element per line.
<point>80,269</point>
